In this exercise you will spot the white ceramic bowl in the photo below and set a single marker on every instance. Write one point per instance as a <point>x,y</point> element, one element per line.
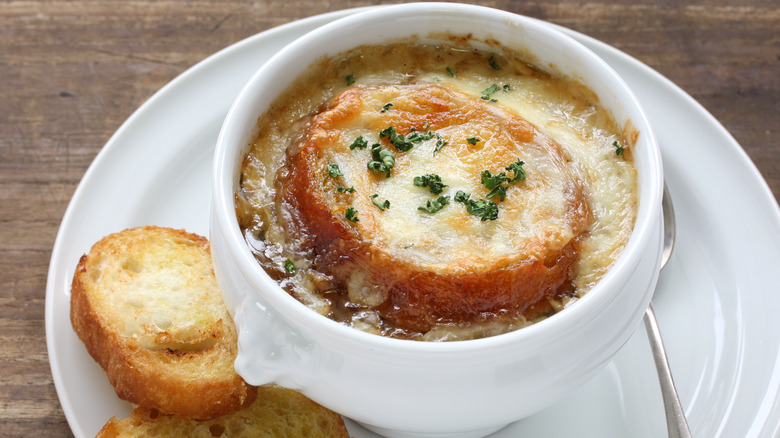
<point>410,388</point>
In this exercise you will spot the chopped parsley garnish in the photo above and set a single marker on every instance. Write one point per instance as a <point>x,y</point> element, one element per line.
<point>386,107</point>
<point>430,180</point>
<point>359,143</point>
<point>450,72</point>
<point>507,88</point>
<point>517,168</point>
<point>289,266</point>
<point>485,209</point>
<point>333,170</point>
<point>493,64</point>
<point>345,190</point>
<point>487,93</point>
<point>434,205</point>
<point>351,214</point>
<point>382,160</point>
<point>618,148</point>
<point>416,137</point>
<point>493,181</point>
<point>404,143</point>
<point>350,79</point>
<point>382,206</point>
<point>473,140</point>
<point>388,132</point>
<point>440,143</point>
<point>499,191</point>
<point>461,196</point>
<point>401,143</point>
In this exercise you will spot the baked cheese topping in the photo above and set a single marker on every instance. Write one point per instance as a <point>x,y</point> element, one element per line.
<point>539,213</point>
<point>419,191</point>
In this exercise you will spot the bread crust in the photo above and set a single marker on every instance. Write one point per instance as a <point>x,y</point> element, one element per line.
<point>420,294</point>
<point>189,376</point>
<point>277,412</point>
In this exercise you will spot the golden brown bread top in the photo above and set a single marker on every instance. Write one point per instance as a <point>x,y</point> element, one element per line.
<point>277,412</point>
<point>452,266</point>
<point>146,304</point>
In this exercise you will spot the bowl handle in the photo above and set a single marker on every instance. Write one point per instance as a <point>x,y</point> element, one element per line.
<point>269,349</point>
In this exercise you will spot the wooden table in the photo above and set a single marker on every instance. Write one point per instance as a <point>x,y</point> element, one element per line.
<point>72,71</point>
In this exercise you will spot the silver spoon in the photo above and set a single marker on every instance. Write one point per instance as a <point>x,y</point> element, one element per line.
<point>676,424</point>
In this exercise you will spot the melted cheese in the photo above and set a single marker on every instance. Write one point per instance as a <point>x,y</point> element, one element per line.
<point>533,219</point>
<point>577,153</point>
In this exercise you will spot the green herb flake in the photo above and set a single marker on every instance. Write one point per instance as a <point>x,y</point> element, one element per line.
<point>397,140</point>
<point>401,143</point>
<point>440,143</point>
<point>382,206</point>
<point>416,137</point>
<point>434,205</point>
<point>517,168</point>
<point>345,190</point>
<point>430,180</point>
<point>404,143</point>
<point>486,210</point>
<point>492,181</point>
<point>351,214</point>
<point>487,93</point>
<point>350,79</point>
<point>289,266</point>
<point>333,170</point>
<point>618,148</point>
<point>499,191</point>
<point>382,160</point>
<point>493,64</point>
<point>495,183</point>
<point>359,143</point>
<point>507,88</point>
<point>386,107</point>
<point>461,196</point>
<point>450,72</point>
<point>473,140</point>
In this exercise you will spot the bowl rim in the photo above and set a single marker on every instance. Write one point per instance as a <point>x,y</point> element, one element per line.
<point>224,176</point>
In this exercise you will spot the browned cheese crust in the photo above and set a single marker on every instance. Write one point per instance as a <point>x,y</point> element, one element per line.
<point>421,292</point>
<point>185,369</point>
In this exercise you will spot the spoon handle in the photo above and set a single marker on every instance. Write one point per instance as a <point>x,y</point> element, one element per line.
<point>676,424</point>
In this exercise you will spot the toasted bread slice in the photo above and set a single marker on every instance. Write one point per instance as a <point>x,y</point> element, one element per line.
<point>460,265</point>
<point>277,412</point>
<point>146,304</point>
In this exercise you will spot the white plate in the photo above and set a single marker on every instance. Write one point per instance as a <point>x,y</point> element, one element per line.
<point>717,301</point>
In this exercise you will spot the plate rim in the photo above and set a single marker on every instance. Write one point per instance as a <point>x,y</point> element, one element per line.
<point>55,265</point>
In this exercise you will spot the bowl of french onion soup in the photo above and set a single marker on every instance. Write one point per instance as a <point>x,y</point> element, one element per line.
<point>435,219</point>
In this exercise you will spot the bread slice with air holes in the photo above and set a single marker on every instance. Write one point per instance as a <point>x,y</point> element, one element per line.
<point>146,304</point>
<point>277,412</point>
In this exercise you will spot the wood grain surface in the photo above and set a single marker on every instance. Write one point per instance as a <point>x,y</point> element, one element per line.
<point>72,71</point>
